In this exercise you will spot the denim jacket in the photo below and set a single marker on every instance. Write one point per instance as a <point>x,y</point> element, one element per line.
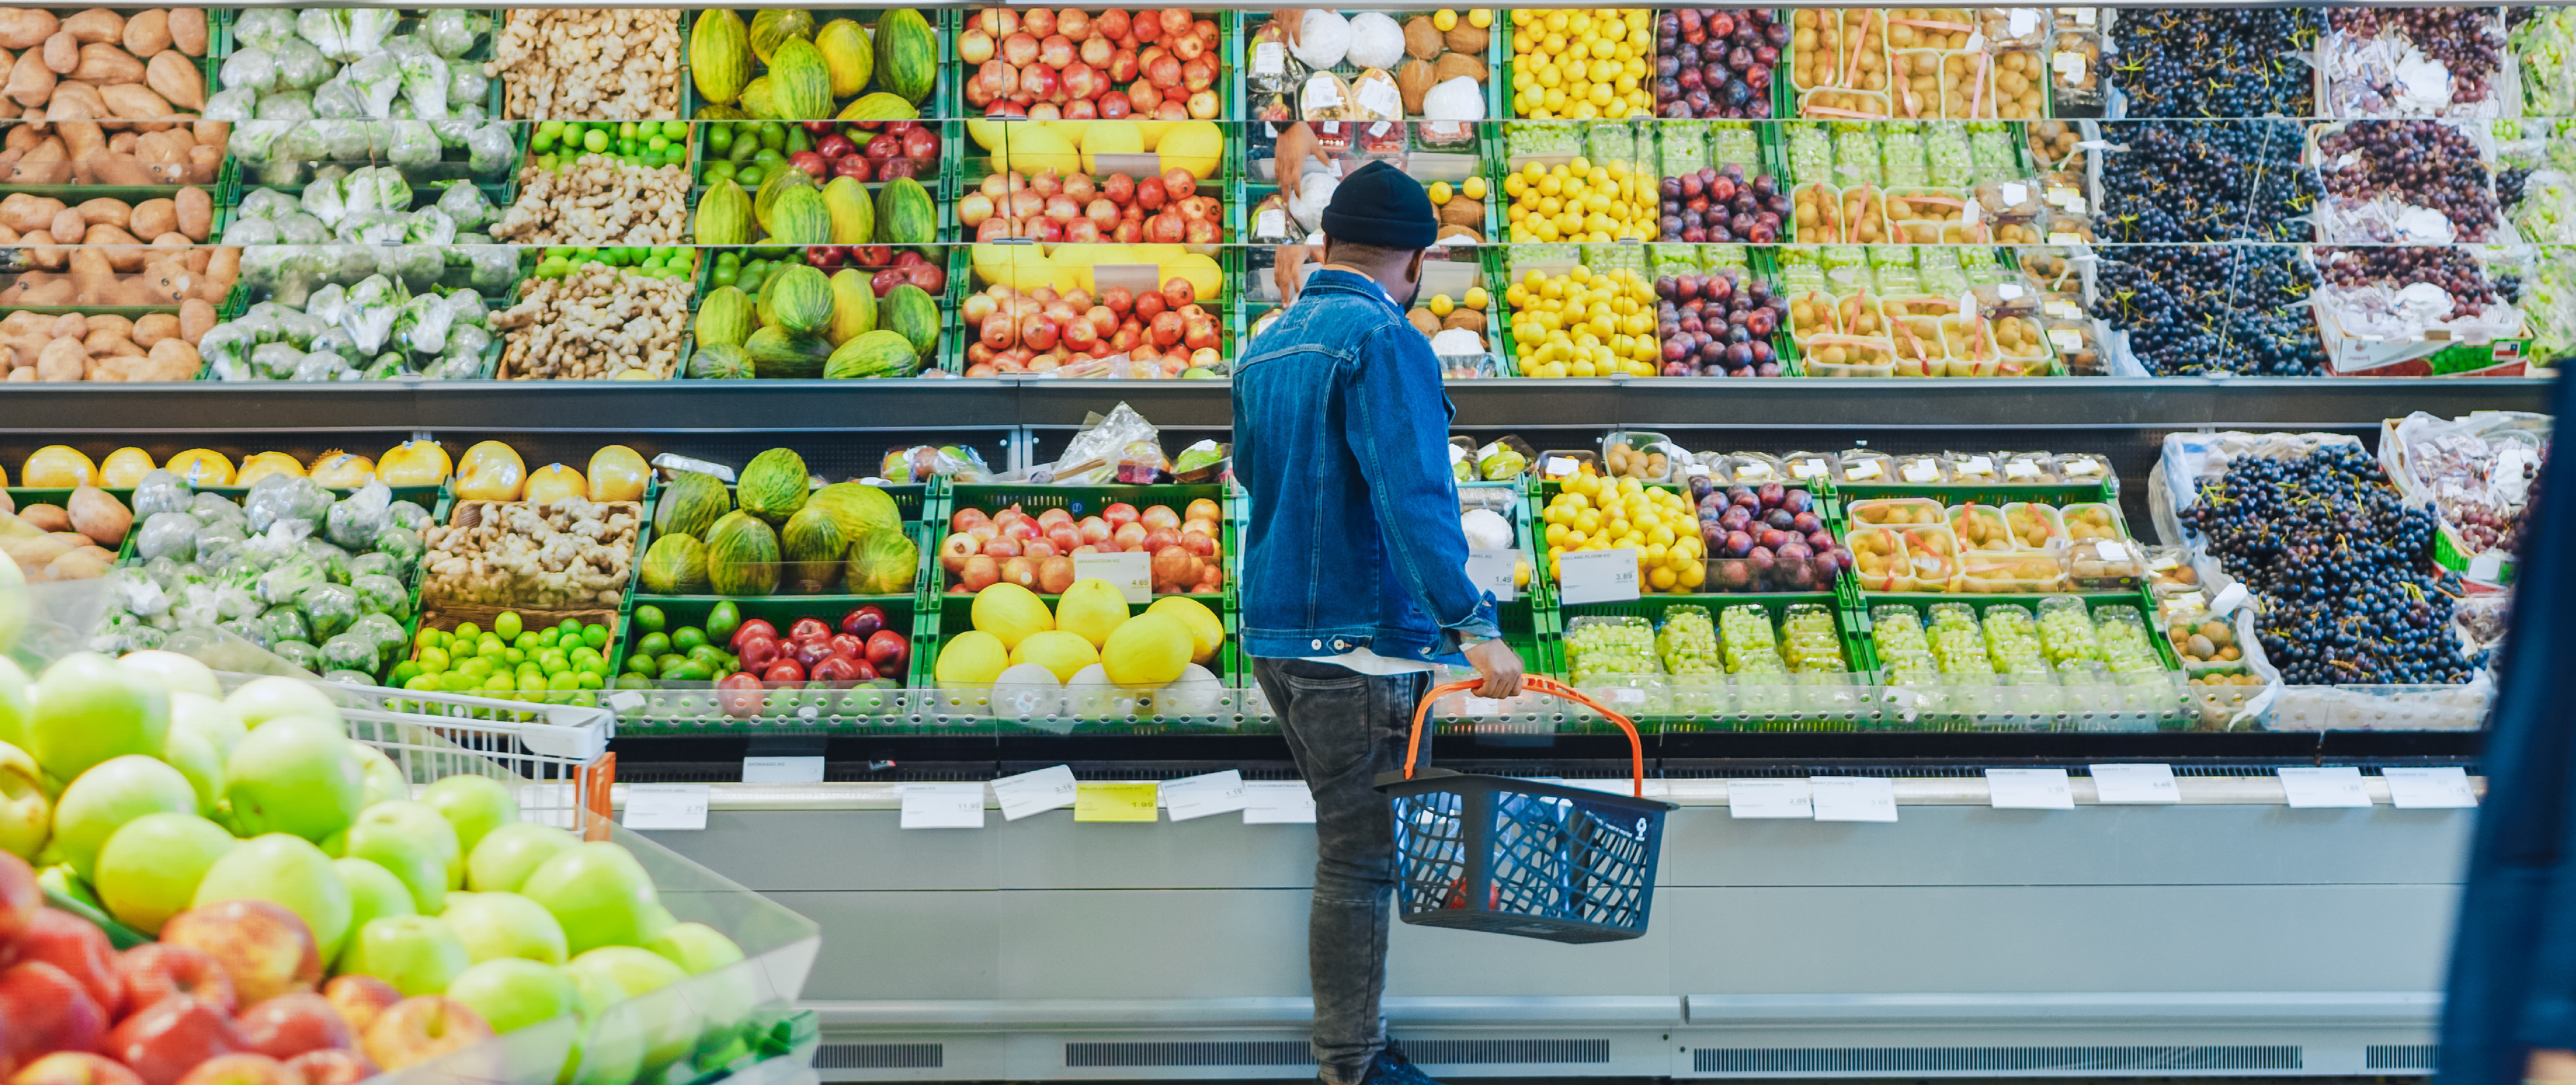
<point>1341,434</point>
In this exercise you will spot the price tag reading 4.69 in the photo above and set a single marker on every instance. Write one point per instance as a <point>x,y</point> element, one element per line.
<point>1132,571</point>
<point>1598,576</point>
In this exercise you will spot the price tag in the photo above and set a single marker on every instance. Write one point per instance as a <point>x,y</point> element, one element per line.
<point>2067,339</point>
<point>1921,471</point>
<point>2332,785</point>
<point>1198,796</point>
<point>1095,801</point>
<point>1769,799</point>
<point>1557,467</point>
<point>624,701</point>
<point>1853,798</point>
<point>1132,572</point>
<point>1861,471</point>
<point>2070,65</point>
<point>1481,706</point>
<point>666,806</point>
<point>2019,22</point>
<point>1269,58</point>
<point>2487,567</point>
<point>2014,192</point>
<point>943,806</point>
<point>1494,571</point>
<point>2445,788</point>
<point>782,770</point>
<point>2083,16</point>
<point>1277,802</point>
<point>2062,237</point>
<point>1034,792</point>
<point>2029,789</point>
<point>1272,222</point>
<point>1807,469</point>
<point>2021,470</point>
<point>1598,576</point>
<point>2114,784</point>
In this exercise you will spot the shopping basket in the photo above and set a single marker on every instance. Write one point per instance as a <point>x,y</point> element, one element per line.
<point>1506,856</point>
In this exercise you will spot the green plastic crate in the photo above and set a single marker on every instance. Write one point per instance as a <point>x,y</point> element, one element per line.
<point>1799,702</point>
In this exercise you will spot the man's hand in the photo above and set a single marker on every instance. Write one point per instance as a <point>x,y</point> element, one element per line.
<point>1297,143</point>
<point>1499,666</point>
<point>2551,1066</point>
<point>1292,22</point>
<point>1289,274</point>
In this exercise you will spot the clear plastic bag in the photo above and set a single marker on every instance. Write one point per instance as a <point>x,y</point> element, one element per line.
<point>430,226</point>
<point>300,66</point>
<point>290,106</point>
<point>466,206</point>
<point>160,491</point>
<point>252,70</point>
<point>422,327</point>
<point>489,150</point>
<point>328,607</point>
<point>356,520</point>
<point>338,100</point>
<point>170,535</point>
<point>265,28</point>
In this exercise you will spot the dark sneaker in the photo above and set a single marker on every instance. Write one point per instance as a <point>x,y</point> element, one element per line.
<point>1392,1068</point>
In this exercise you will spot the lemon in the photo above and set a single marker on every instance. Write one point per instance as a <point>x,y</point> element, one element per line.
<point>1481,17</point>
<point>1444,20</point>
<point>1477,298</point>
<point>1441,306</point>
<point>1473,189</point>
<point>1439,193</point>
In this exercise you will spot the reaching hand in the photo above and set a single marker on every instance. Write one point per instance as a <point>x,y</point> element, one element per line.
<point>1499,666</point>
<point>1292,22</point>
<point>1289,275</point>
<point>1297,143</point>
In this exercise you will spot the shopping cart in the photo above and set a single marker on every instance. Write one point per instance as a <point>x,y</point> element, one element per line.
<point>1506,856</point>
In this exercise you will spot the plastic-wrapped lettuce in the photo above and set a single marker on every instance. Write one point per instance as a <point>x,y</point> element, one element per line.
<point>417,267</point>
<point>453,32</point>
<point>318,366</point>
<point>328,607</point>
<point>252,69</point>
<point>265,203</point>
<point>386,367</point>
<point>422,327</point>
<point>277,361</point>
<point>302,230</point>
<point>353,522</point>
<point>414,144</point>
<point>291,105</point>
<point>299,327</point>
<point>375,226</point>
<point>300,66</point>
<point>265,28</point>
<point>407,515</point>
<point>284,154</point>
<point>373,306</point>
<point>377,187</point>
<point>327,304</point>
<point>466,345</point>
<point>334,561</point>
<point>430,226</point>
<point>338,100</point>
<point>378,79</point>
<point>160,490</point>
<point>466,206</point>
<point>252,232</point>
<point>238,106</point>
<point>495,267</point>
<point>489,151</point>
<point>168,534</point>
<point>469,308</point>
<point>460,123</point>
<point>424,75</point>
<point>346,34</point>
<point>466,86</point>
<point>324,200</point>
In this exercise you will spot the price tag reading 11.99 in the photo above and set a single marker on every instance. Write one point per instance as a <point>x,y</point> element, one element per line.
<point>1598,576</point>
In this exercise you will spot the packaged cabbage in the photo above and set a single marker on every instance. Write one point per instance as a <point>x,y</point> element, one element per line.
<point>285,623</point>
<point>349,653</point>
<point>453,32</point>
<point>168,534</point>
<point>408,516</point>
<point>328,608</point>
<point>381,594</point>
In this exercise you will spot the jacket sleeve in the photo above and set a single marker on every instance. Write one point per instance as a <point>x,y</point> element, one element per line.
<point>1398,432</point>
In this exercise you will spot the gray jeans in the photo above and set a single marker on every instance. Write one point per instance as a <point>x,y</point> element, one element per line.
<point>1344,728</point>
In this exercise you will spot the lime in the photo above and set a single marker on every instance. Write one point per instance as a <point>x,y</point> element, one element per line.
<point>477,668</point>
<point>425,683</point>
<point>688,637</point>
<point>648,619</point>
<point>530,683</point>
<point>722,620</point>
<point>429,638</point>
<point>564,681</point>
<point>591,679</point>
<point>488,645</point>
<point>456,681</point>
<point>595,636</point>
<point>500,683</point>
<point>431,661</point>
<point>554,661</point>
<point>467,631</point>
<point>524,640</point>
<point>405,671</point>
<point>513,656</point>
<point>507,625</point>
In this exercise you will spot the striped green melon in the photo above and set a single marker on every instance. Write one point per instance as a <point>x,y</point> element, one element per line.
<point>909,310</point>
<point>777,184</point>
<point>689,503</point>
<point>800,83</point>
<point>812,545</point>
<point>719,55</point>
<point>742,556</point>
<point>774,485</point>
<point>880,106</point>
<point>724,215</point>
<point>776,355</point>
<point>905,215</point>
<point>798,299</point>
<point>773,26</point>
<point>675,565</point>
<point>878,353</point>
<point>719,362</point>
<point>800,218</point>
<point>724,317</point>
<point>907,55</point>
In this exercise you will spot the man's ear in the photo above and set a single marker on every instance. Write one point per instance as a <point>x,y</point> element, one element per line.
<point>1413,271</point>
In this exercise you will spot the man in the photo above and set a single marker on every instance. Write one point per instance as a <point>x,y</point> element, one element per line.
<point>1355,577</point>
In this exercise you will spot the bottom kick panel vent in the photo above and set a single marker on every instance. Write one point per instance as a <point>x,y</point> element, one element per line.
<point>1928,1060</point>
<point>880,1056</point>
<point>2402,1057</point>
<point>1486,1052</point>
<point>1192,1053</point>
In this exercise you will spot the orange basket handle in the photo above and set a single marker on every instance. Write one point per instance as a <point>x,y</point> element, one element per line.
<point>1541,684</point>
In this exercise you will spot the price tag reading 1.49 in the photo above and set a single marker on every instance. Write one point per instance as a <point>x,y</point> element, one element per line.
<point>1597,576</point>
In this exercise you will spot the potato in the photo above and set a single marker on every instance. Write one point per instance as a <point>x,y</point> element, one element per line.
<point>30,82</point>
<point>96,25</point>
<point>107,64</point>
<point>151,330</point>
<point>172,77</point>
<point>26,28</point>
<point>134,101</point>
<point>148,32</point>
<point>70,324</point>
<point>42,252</point>
<point>173,360</point>
<point>188,30</point>
<point>53,290</point>
<point>196,318</point>
<point>62,360</point>
<point>108,322</point>
<point>226,265</point>
<point>204,161</point>
<point>26,373</point>
<point>152,218</point>
<point>81,564</point>
<point>125,142</point>
<point>104,341</point>
<point>194,213</point>
<point>62,53</point>
<point>196,260</point>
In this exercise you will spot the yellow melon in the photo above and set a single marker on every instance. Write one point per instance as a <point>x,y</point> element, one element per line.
<point>491,471</point>
<point>1010,613</point>
<point>1062,654</point>
<point>1147,651</point>
<point>1207,634</point>
<point>1091,608</point>
<point>125,467</point>
<point>618,473</point>
<point>202,467</point>
<point>1196,146</point>
<point>342,470</point>
<point>264,464</point>
<point>64,467</point>
<point>555,481</point>
<point>971,658</point>
<point>414,463</point>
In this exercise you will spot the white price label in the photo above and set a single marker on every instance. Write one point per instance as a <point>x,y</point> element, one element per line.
<point>2021,470</point>
<point>1598,576</point>
<point>2444,788</point>
<point>1557,467</point>
<point>1920,471</point>
<point>1034,792</point>
<point>2114,784</point>
<point>1861,471</point>
<point>2331,785</point>
<point>1269,58</point>
<point>1278,802</point>
<point>1199,796</point>
<point>1495,571</point>
<point>943,806</point>
<point>625,700</point>
<point>1853,798</point>
<point>2019,22</point>
<point>666,806</point>
<point>1769,799</point>
<point>2067,339</point>
<point>1977,467</point>
<point>782,770</point>
<point>2014,192</point>
<point>2062,237</point>
<point>2029,789</point>
<point>1131,571</point>
<point>1273,222</point>
<point>1807,469</point>
<point>2083,16</point>
<point>2487,567</point>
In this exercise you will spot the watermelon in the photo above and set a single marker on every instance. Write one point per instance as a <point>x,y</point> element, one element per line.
<point>724,214</point>
<point>799,217</point>
<point>878,353</point>
<point>719,56</point>
<point>724,317</point>
<point>774,486</point>
<point>909,310</point>
<point>675,565</point>
<point>813,546</point>
<point>907,55</point>
<point>800,83</point>
<point>719,362</point>
<point>776,355</point>
<point>690,502</point>
<point>742,556</point>
<point>773,26</point>
<point>797,300</point>
<point>905,215</point>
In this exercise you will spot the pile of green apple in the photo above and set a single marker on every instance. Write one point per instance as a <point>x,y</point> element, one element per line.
<point>251,829</point>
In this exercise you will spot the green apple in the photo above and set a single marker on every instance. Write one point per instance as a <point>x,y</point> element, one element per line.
<point>151,867</point>
<point>412,859</point>
<point>609,1052</point>
<point>14,605</point>
<point>513,993</point>
<point>108,796</point>
<point>211,719</point>
<point>725,998</point>
<point>17,702</point>
<point>417,954</point>
<point>263,699</point>
<point>416,819</point>
<point>26,815</point>
<point>90,710</point>
<point>380,779</point>
<point>475,805</point>
<point>506,925</point>
<point>505,857</point>
<point>374,893</point>
<point>668,1027</point>
<point>288,871</point>
<point>196,759</point>
<point>293,775</point>
<point>176,673</point>
<point>600,894</point>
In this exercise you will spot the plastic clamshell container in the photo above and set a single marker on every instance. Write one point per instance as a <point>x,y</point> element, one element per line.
<point>1897,512</point>
<point>2011,572</point>
<point>2091,520</point>
<point>2105,564</point>
<point>2045,527</point>
<point>1979,526</point>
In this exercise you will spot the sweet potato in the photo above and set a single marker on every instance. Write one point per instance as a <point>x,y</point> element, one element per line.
<point>47,517</point>
<point>225,266</point>
<point>70,324</point>
<point>62,360</point>
<point>25,373</point>
<point>204,160</point>
<point>62,53</point>
<point>194,212</point>
<point>117,169</point>
<point>148,32</point>
<point>106,64</point>
<point>153,218</point>
<point>134,101</point>
<point>172,77</point>
<point>151,330</point>
<point>188,30</point>
<point>81,564</point>
<point>26,28</point>
<point>108,322</point>
<point>96,25</point>
<point>124,142</point>
<point>106,344</point>
<point>93,275</point>
<point>196,318</point>
<point>196,259</point>
<point>75,101</point>
<point>67,223</point>
<point>173,360</point>
<point>21,137</point>
<point>20,211</point>
<point>54,290</point>
<point>42,252</point>
<point>81,138</point>
<point>103,209</point>
<point>30,82</point>
<point>210,132</point>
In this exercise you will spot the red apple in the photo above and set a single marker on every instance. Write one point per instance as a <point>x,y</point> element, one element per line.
<point>46,1010</point>
<point>811,163</point>
<point>757,653</point>
<point>290,1025</point>
<point>416,1030</point>
<point>738,694</point>
<point>1129,536</point>
<point>77,1068</point>
<point>153,971</point>
<point>161,1043</point>
<point>70,943</point>
<point>241,1069</point>
<point>267,950</point>
<point>783,672</point>
<point>863,621</point>
<point>889,652</point>
<point>742,634</point>
<point>331,1066</point>
<point>931,278</point>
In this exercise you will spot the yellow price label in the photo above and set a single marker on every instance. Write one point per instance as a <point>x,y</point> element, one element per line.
<point>1093,801</point>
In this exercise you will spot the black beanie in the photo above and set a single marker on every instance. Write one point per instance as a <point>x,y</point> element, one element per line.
<point>1381,206</point>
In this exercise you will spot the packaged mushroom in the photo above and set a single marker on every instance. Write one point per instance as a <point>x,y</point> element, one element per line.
<point>2013,26</point>
<point>2075,67</point>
